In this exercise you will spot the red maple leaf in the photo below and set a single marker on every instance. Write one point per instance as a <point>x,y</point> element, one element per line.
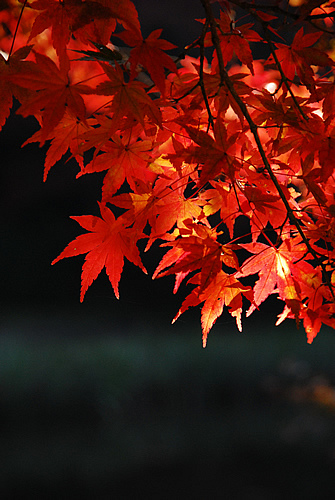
<point>300,56</point>
<point>123,12</point>
<point>234,41</point>
<point>150,54</point>
<point>216,153</point>
<point>262,207</point>
<point>106,245</point>
<point>68,16</point>
<point>327,90</point>
<point>222,199</point>
<point>307,7</point>
<point>201,250</point>
<point>216,91</point>
<point>66,135</point>
<point>9,69</point>
<point>128,98</point>
<point>50,85</point>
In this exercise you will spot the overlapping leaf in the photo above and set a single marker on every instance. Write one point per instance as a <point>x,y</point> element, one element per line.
<point>150,53</point>
<point>223,290</point>
<point>68,16</point>
<point>300,56</point>
<point>127,98</point>
<point>52,93</point>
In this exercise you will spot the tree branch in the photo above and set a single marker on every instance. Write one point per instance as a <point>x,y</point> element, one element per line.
<point>254,130</point>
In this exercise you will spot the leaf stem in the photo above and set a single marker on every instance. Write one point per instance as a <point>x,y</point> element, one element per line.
<point>16,29</point>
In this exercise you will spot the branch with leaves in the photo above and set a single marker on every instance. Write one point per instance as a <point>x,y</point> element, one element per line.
<point>191,146</point>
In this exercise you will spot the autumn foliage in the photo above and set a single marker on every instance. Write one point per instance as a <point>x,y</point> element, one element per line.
<point>193,148</point>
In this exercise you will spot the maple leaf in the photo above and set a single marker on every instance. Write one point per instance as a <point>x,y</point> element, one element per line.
<point>125,158</point>
<point>307,7</point>
<point>66,135</point>
<point>150,54</point>
<point>50,85</point>
<point>262,207</point>
<point>68,16</point>
<point>193,252</point>
<point>128,98</point>
<point>300,56</point>
<point>216,154</point>
<point>174,209</point>
<point>322,144</point>
<point>327,90</point>
<point>310,283</point>
<point>106,245</point>
<point>222,199</point>
<point>234,41</point>
<point>223,289</point>
<point>216,90</point>
<point>123,12</point>
<point>312,319</point>
<point>9,68</point>
<point>162,207</point>
<point>196,249</point>
<point>274,266</point>
<point>277,110</point>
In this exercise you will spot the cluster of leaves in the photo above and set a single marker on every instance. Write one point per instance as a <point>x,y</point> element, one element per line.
<point>193,148</point>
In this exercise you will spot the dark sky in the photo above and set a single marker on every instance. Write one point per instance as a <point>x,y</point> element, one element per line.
<point>176,17</point>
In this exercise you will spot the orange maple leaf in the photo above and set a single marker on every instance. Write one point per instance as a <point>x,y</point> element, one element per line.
<point>274,266</point>
<point>223,199</point>
<point>125,158</point>
<point>197,251</point>
<point>162,207</point>
<point>262,207</point>
<point>106,245</point>
<point>224,289</point>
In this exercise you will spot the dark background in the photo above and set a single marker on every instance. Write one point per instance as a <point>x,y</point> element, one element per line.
<point>107,398</point>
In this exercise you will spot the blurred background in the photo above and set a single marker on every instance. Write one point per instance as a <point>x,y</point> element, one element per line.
<point>107,398</point>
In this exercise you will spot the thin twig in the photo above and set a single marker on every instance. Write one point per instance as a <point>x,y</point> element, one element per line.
<point>16,28</point>
<point>252,7</point>
<point>201,74</point>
